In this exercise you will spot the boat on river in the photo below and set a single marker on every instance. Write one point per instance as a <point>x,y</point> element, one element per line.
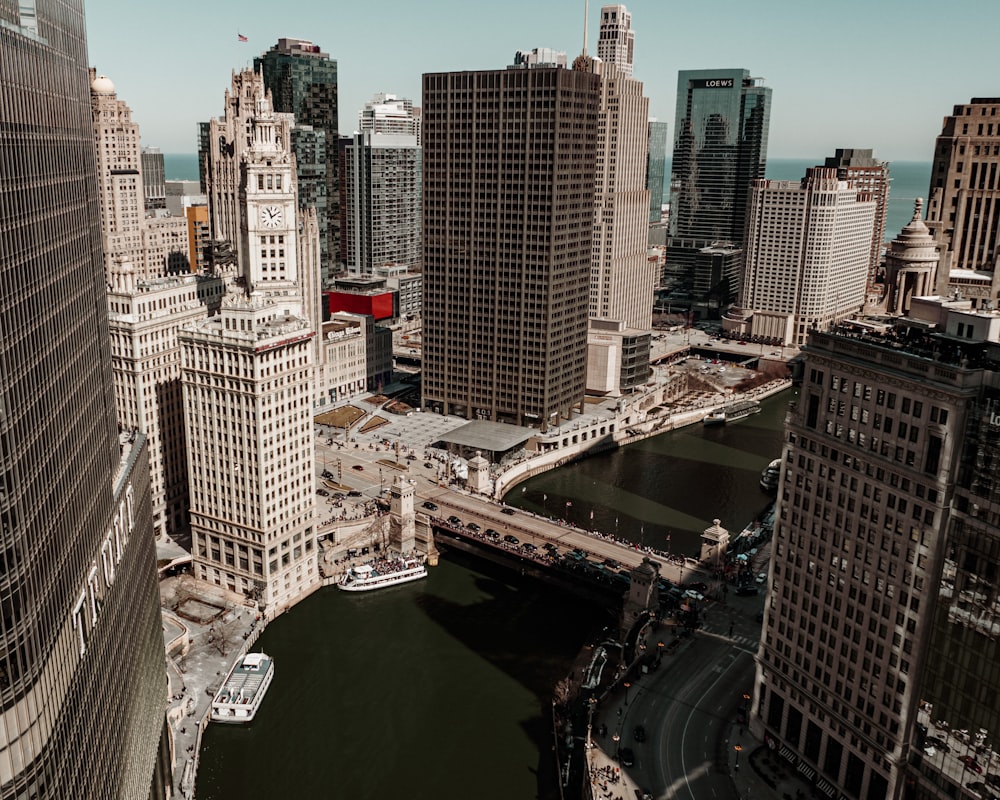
<point>732,412</point>
<point>770,475</point>
<point>382,574</point>
<point>244,688</point>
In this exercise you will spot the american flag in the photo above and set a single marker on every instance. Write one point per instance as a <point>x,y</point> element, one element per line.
<point>241,37</point>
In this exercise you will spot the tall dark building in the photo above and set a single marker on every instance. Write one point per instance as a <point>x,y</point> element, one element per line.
<point>655,166</point>
<point>963,211</point>
<point>508,210</point>
<point>303,81</point>
<point>82,681</point>
<point>720,146</point>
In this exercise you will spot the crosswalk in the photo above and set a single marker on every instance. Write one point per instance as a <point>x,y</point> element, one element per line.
<point>747,643</point>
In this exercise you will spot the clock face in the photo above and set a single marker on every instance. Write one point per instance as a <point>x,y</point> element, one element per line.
<point>271,216</point>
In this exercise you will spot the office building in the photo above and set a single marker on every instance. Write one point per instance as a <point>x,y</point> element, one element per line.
<point>144,317</point>
<point>508,235</point>
<point>656,165</point>
<point>616,39</point>
<point>82,678</point>
<point>881,628</point>
<point>720,146</point>
<point>872,176</point>
<point>154,178</point>
<point>303,81</point>
<point>963,209</point>
<point>247,375</point>
<point>806,256</point>
<point>381,167</point>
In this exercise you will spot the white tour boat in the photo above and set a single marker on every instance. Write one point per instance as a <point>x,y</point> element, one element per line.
<point>366,577</point>
<point>732,412</point>
<point>244,688</point>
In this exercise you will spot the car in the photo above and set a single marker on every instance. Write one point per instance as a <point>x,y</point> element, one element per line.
<point>491,534</point>
<point>550,547</point>
<point>761,577</point>
<point>610,562</point>
<point>354,493</point>
<point>639,733</point>
<point>428,465</point>
<point>327,474</point>
<point>358,467</point>
<point>698,586</point>
<point>690,594</point>
<point>322,493</point>
<point>508,511</point>
<point>528,547</point>
<point>453,520</point>
<point>472,526</point>
<point>746,591</point>
<point>971,763</point>
<point>626,757</point>
<point>430,506</point>
<point>511,539</point>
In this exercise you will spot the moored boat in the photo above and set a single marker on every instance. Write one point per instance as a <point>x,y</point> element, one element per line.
<point>244,688</point>
<point>770,475</point>
<point>382,574</point>
<point>732,412</point>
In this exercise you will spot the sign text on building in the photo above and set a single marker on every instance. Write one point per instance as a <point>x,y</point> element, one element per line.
<point>713,83</point>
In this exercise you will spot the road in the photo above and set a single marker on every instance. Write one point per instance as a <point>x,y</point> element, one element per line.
<point>687,708</point>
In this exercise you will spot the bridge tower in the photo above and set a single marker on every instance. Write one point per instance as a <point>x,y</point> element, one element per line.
<point>643,594</point>
<point>714,543</point>
<point>402,518</point>
<point>479,474</point>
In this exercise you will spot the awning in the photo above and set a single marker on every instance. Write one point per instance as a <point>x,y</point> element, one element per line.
<point>806,770</point>
<point>826,787</point>
<point>786,753</point>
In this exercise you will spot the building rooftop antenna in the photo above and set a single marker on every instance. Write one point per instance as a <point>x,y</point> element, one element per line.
<point>586,14</point>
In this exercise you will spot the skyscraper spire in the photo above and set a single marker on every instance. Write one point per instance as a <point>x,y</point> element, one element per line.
<point>586,15</point>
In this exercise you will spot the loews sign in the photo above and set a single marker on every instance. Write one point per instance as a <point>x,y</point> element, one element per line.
<point>101,575</point>
<point>713,83</point>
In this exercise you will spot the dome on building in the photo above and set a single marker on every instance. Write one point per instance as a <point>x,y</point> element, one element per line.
<point>916,229</point>
<point>102,85</point>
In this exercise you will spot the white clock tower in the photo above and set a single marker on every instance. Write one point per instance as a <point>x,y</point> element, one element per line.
<point>268,210</point>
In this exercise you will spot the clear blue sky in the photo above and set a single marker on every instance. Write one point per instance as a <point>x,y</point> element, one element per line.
<point>855,73</point>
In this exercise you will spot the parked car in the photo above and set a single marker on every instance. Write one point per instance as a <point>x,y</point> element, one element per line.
<point>472,526</point>
<point>430,506</point>
<point>491,534</point>
<point>761,577</point>
<point>453,520</point>
<point>511,539</point>
<point>528,547</point>
<point>971,763</point>
<point>354,493</point>
<point>322,493</point>
<point>698,586</point>
<point>507,510</point>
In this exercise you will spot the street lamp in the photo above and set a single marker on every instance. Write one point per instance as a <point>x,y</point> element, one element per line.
<point>381,483</point>
<point>616,738</point>
<point>626,684</point>
<point>738,749</point>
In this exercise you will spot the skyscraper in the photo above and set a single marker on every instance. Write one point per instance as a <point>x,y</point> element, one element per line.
<point>381,185</point>
<point>154,177</point>
<point>870,175</point>
<point>964,204</point>
<point>509,163</point>
<point>303,81</point>
<point>655,168</point>
<point>881,621</point>
<point>616,39</point>
<point>806,256</point>
<point>720,146</point>
<point>82,681</point>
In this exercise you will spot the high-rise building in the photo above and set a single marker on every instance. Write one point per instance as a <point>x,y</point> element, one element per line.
<point>144,317</point>
<point>964,204</point>
<point>720,146</point>
<point>622,281</point>
<point>806,256</point>
<point>303,81</point>
<point>381,169</point>
<point>247,376</point>
<point>881,623</point>
<point>870,175</point>
<point>616,39</point>
<point>82,679</point>
<point>509,161</point>
<point>656,165</point>
<point>154,177</point>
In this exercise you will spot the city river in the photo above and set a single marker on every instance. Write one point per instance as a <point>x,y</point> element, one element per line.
<point>441,689</point>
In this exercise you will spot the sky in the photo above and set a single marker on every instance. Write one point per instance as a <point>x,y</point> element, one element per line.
<point>855,73</point>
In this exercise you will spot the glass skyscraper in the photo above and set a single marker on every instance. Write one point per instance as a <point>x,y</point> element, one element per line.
<point>655,167</point>
<point>303,81</point>
<point>720,146</point>
<point>82,681</point>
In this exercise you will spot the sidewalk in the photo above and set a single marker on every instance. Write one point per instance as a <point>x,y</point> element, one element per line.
<point>759,772</point>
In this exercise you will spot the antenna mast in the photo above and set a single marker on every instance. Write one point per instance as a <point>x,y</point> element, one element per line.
<point>586,14</point>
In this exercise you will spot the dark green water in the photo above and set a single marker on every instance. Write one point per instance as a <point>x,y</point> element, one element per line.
<point>441,689</point>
